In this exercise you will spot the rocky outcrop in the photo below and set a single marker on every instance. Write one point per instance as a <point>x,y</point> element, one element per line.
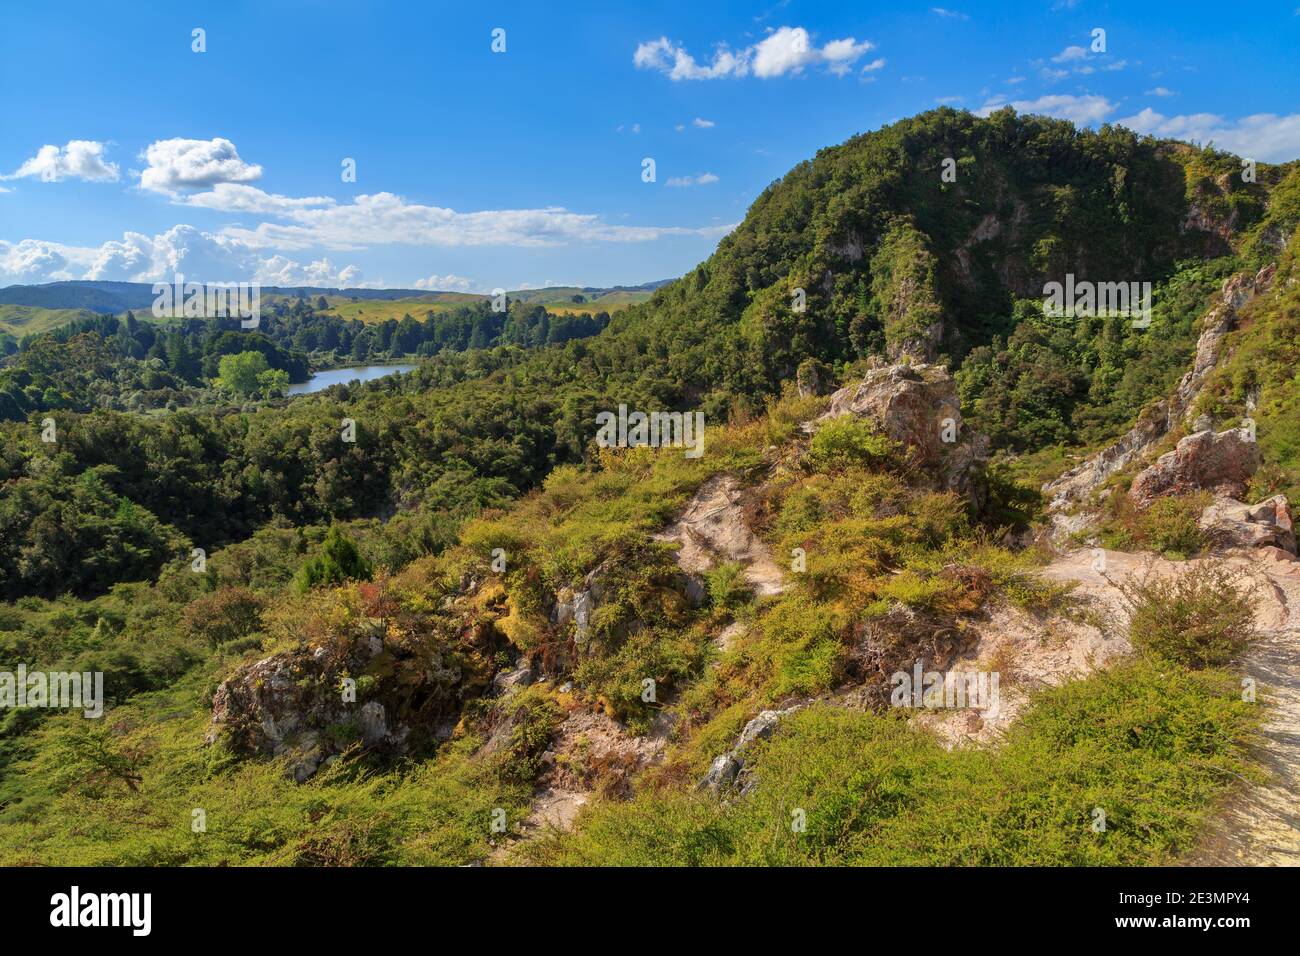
<point>728,769</point>
<point>1229,524</point>
<point>714,528</point>
<point>312,702</point>
<point>917,405</point>
<point>1159,419</point>
<point>1223,462</point>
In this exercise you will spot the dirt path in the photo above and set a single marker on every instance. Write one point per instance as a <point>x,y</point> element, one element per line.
<point>1260,824</point>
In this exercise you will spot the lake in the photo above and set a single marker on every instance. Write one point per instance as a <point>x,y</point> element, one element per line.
<point>338,376</point>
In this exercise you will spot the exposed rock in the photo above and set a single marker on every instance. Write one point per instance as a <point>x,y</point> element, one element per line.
<point>729,768</point>
<point>507,681</point>
<point>374,729</point>
<point>1222,462</point>
<point>293,704</point>
<point>1157,420</point>
<point>713,527</point>
<point>1234,524</point>
<point>917,405</point>
<point>721,774</point>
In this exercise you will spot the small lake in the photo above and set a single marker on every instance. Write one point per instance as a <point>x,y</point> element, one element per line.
<point>338,376</point>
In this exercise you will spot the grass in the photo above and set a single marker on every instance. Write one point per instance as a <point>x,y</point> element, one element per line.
<point>20,320</point>
<point>1151,747</point>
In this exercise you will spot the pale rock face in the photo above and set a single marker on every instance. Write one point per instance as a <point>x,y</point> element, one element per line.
<point>918,406</point>
<point>1234,524</point>
<point>1222,462</point>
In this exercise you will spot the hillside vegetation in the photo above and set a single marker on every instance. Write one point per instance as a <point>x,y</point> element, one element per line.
<point>497,589</point>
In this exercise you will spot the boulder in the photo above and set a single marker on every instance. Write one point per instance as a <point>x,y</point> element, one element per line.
<point>916,405</point>
<point>293,704</point>
<point>1229,523</point>
<point>728,768</point>
<point>1222,462</point>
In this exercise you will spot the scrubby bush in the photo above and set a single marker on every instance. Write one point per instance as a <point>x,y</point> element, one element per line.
<point>846,441</point>
<point>1203,617</point>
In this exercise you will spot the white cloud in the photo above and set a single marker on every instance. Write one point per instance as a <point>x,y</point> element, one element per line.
<point>661,55</point>
<point>386,218</point>
<point>79,159</point>
<point>235,197</point>
<point>278,270</point>
<point>1262,136</point>
<point>136,257</point>
<point>182,164</point>
<point>703,179</point>
<point>32,260</point>
<point>785,50</point>
<point>949,14</point>
<point>876,64</point>
<point>1069,54</point>
<point>447,283</point>
<point>1081,110</point>
<point>1160,91</point>
<point>703,123</point>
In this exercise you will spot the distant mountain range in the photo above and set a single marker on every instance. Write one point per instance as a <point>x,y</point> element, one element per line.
<point>114,297</point>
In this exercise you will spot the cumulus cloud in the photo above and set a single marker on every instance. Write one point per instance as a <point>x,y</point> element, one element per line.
<point>32,260</point>
<point>703,179</point>
<point>1080,110</point>
<point>703,123</point>
<point>447,283</point>
<point>192,164</point>
<point>785,50</point>
<point>1262,136</point>
<point>278,270</point>
<point>948,14</point>
<point>664,56</point>
<point>1160,91</point>
<point>136,257</point>
<point>79,159</point>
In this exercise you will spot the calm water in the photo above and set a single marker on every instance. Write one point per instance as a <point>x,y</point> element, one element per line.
<point>335,376</point>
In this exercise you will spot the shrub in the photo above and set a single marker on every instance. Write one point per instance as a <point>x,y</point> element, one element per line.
<point>1170,526</point>
<point>1202,617</point>
<point>228,614</point>
<point>846,441</point>
<point>727,585</point>
<point>339,560</point>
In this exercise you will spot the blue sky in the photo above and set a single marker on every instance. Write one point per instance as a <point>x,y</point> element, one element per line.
<point>127,155</point>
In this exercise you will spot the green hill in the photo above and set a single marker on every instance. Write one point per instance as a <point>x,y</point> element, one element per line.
<point>20,320</point>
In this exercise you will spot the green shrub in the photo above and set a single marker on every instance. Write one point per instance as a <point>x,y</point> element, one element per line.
<point>1153,745</point>
<point>727,586</point>
<point>1203,617</point>
<point>846,441</point>
<point>338,560</point>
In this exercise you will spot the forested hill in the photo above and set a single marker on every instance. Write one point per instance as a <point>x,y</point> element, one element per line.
<point>884,247</point>
<point>890,255</point>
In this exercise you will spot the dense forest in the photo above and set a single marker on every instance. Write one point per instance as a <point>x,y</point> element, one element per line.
<point>133,364</point>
